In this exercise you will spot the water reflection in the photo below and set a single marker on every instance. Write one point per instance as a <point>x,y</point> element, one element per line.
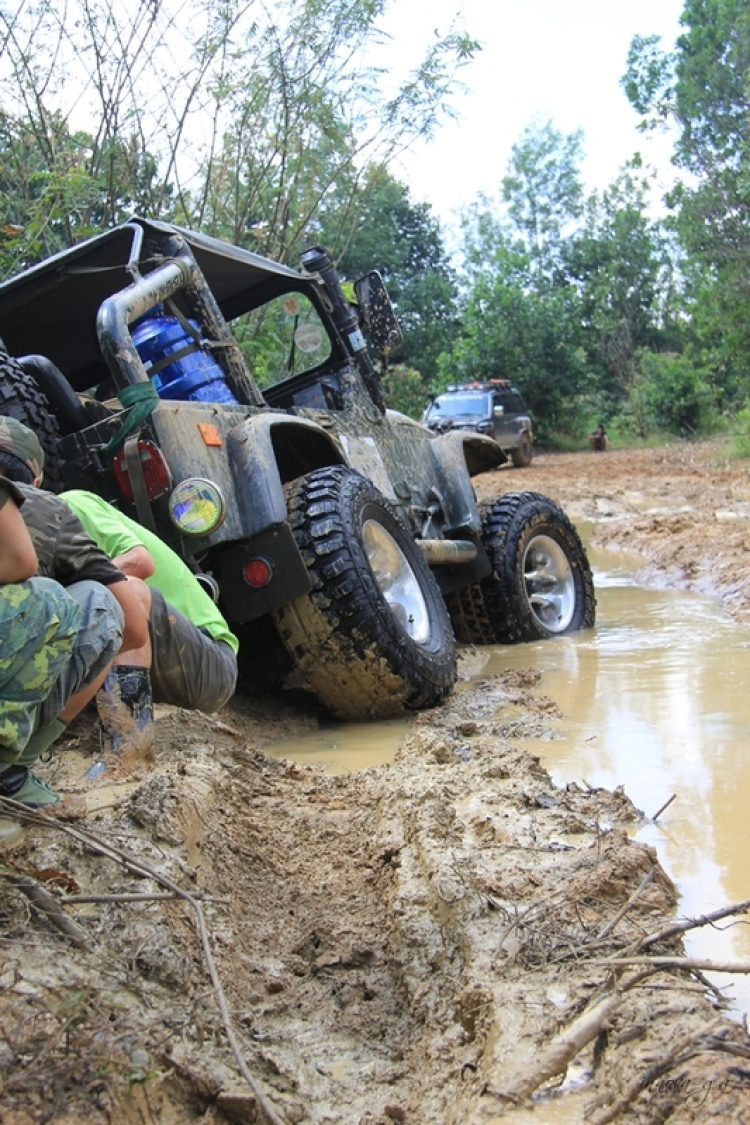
<point>655,698</point>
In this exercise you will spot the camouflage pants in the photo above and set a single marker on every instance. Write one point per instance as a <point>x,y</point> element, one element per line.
<point>53,641</point>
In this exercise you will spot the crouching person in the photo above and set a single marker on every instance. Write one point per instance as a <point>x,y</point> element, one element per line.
<point>107,611</point>
<point>191,652</point>
<point>56,646</point>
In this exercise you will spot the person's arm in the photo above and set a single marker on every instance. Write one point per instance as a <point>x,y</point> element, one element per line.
<point>138,562</point>
<point>18,559</point>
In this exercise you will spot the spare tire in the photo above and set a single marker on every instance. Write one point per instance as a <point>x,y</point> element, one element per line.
<point>541,583</point>
<point>21,398</point>
<point>373,637</point>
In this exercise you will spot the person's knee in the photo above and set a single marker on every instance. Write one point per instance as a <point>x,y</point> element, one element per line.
<point>100,631</point>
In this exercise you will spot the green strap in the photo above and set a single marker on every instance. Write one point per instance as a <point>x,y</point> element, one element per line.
<point>141,398</point>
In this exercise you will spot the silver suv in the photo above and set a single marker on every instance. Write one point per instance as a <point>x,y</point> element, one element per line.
<point>494,408</point>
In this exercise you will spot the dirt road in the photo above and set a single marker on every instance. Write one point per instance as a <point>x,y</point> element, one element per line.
<point>428,942</point>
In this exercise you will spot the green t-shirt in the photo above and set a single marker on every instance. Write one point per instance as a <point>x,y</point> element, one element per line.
<point>116,533</point>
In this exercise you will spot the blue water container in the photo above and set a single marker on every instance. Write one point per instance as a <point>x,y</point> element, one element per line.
<point>194,376</point>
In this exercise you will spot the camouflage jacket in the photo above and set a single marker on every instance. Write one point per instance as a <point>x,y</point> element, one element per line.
<point>8,490</point>
<point>38,626</point>
<point>65,550</point>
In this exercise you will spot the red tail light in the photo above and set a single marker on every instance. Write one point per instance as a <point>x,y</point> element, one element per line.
<point>258,572</point>
<point>156,472</point>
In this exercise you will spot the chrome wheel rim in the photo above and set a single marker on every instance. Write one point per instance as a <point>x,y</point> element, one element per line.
<point>549,583</point>
<point>396,581</point>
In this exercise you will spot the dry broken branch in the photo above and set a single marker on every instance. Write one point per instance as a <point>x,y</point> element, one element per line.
<point>694,923</point>
<point>50,907</point>
<point>555,1057</point>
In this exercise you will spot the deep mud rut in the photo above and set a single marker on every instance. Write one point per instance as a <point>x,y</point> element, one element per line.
<point>425,942</point>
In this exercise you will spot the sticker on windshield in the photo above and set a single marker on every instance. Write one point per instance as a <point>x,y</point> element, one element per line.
<point>308,337</point>
<point>291,306</point>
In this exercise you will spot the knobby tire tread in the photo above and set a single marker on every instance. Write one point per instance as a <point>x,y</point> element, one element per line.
<point>346,644</point>
<point>496,610</point>
<point>21,398</point>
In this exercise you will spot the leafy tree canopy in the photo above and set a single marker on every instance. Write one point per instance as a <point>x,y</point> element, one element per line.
<point>404,241</point>
<point>236,117</point>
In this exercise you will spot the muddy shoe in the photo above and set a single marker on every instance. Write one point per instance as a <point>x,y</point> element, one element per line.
<point>126,718</point>
<point>20,784</point>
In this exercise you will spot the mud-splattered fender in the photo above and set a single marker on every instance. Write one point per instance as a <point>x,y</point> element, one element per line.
<point>267,451</point>
<point>458,457</point>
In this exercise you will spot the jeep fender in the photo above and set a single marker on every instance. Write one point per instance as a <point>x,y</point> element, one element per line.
<point>459,456</point>
<point>268,450</point>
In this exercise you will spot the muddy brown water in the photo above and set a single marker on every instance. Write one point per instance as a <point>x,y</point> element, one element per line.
<point>656,698</point>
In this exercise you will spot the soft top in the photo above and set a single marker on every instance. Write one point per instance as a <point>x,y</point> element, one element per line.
<point>50,309</point>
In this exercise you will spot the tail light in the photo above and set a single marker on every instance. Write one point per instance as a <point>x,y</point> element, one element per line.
<point>155,469</point>
<point>258,572</point>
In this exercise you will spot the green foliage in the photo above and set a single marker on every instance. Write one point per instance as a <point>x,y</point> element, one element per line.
<point>740,448</point>
<point>619,264</point>
<point>235,118</point>
<point>511,331</point>
<point>405,390</point>
<point>701,89</point>
<point>522,316</point>
<point>671,393</point>
<point>543,191</point>
<point>403,240</point>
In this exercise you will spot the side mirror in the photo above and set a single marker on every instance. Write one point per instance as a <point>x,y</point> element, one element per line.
<point>377,312</point>
<point>498,411</point>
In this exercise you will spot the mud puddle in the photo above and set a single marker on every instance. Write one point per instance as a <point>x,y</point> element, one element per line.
<point>654,699</point>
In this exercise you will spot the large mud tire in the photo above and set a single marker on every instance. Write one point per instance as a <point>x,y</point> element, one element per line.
<point>372,638</point>
<point>522,455</point>
<point>21,398</point>
<point>541,583</point>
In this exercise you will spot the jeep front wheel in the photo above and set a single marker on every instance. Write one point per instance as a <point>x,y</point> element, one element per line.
<point>541,583</point>
<point>372,638</point>
<point>522,454</point>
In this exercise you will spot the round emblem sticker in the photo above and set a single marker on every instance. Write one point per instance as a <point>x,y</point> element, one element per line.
<point>291,306</point>
<point>308,337</point>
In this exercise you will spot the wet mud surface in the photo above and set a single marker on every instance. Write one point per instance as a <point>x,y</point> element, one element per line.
<point>447,939</point>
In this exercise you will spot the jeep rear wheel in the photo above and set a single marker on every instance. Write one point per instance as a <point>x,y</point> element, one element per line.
<point>541,583</point>
<point>372,638</point>
<point>21,398</point>
<point>522,454</point>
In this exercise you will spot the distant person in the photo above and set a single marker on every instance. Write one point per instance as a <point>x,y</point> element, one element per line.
<point>598,439</point>
<point>58,633</point>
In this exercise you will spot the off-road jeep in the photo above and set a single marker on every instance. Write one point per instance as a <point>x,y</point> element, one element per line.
<point>306,506</point>
<point>494,408</point>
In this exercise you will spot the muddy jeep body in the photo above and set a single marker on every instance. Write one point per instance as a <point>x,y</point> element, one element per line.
<point>278,459</point>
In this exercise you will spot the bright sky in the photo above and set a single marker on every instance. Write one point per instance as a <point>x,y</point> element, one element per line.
<point>561,60</point>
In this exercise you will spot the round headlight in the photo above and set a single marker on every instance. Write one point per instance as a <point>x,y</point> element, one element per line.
<point>197,506</point>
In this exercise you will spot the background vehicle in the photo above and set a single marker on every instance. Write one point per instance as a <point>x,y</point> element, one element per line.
<point>314,514</point>
<point>494,408</point>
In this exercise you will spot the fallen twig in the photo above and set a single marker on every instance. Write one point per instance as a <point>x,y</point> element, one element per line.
<point>138,867</point>
<point>694,923</point>
<point>127,896</point>
<point>663,807</point>
<point>555,1057</point>
<point>157,896</point>
<point>692,963</point>
<point>50,907</point>
<point>223,728</point>
<point>624,909</point>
